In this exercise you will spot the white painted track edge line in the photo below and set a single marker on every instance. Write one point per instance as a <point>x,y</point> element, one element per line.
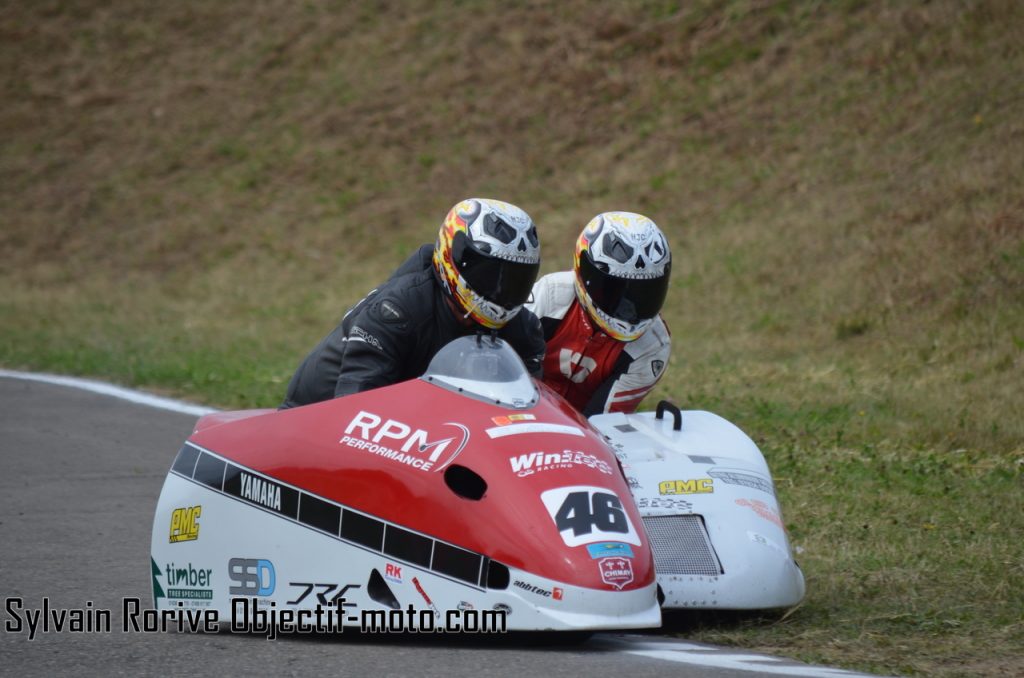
<point>120,392</point>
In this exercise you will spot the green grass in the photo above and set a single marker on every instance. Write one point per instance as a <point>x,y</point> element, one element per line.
<point>189,200</point>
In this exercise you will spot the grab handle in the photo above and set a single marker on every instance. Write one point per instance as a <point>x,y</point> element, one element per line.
<point>677,416</point>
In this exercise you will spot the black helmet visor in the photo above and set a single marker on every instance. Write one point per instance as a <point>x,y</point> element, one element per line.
<point>628,299</point>
<point>503,282</point>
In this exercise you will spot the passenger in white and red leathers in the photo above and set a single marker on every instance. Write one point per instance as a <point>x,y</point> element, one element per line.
<point>607,345</point>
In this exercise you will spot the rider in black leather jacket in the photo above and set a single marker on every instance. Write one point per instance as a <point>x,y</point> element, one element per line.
<point>475,278</point>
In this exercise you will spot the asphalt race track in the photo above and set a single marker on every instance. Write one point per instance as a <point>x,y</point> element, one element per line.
<point>80,473</point>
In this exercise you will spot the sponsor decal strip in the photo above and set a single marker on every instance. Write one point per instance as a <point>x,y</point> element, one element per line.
<point>533,462</point>
<point>519,429</point>
<point>609,548</point>
<point>327,517</point>
<point>667,503</point>
<point>690,486</point>
<point>745,479</point>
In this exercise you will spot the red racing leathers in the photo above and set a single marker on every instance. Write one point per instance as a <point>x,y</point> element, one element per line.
<point>594,372</point>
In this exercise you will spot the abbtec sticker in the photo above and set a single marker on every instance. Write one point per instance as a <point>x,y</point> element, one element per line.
<point>585,514</point>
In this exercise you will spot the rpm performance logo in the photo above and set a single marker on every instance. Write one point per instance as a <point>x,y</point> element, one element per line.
<point>185,524</point>
<point>397,441</point>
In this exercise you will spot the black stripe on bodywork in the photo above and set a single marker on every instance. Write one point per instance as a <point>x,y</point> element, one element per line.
<point>210,471</point>
<point>408,546</point>
<point>456,562</point>
<point>324,515</point>
<point>185,462</point>
<point>361,529</point>
<point>319,514</point>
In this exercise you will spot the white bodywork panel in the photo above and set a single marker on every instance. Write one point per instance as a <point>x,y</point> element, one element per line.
<point>276,560</point>
<point>710,509</point>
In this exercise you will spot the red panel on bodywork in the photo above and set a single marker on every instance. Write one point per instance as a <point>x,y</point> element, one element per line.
<point>511,524</point>
<point>218,418</point>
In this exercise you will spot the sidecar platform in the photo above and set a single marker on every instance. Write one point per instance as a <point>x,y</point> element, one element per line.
<point>709,506</point>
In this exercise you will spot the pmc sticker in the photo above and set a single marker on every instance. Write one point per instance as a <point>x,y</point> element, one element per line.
<point>585,514</point>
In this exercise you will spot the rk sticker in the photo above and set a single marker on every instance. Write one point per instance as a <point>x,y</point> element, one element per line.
<point>393,573</point>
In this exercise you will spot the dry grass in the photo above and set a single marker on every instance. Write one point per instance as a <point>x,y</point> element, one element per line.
<point>191,194</point>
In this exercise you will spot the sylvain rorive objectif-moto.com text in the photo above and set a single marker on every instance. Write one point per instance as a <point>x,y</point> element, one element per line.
<point>248,615</point>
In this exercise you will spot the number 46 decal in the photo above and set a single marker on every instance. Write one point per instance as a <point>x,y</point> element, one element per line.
<point>584,514</point>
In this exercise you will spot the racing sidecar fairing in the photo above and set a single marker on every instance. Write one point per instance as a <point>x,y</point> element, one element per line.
<point>471,488</point>
<point>709,507</point>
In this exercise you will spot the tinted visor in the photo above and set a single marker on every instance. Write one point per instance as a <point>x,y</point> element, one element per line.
<point>503,282</point>
<point>628,299</point>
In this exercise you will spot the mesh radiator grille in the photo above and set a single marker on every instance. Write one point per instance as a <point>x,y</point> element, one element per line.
<point>681,545</point>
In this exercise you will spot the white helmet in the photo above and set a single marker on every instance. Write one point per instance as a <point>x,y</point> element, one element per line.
<point>487,257</point>
<point>622,265</point>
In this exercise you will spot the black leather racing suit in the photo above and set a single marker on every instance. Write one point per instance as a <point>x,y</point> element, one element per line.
<point>392,334</point>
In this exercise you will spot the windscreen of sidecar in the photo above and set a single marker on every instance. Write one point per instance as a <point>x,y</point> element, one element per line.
<point>484,368</point>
